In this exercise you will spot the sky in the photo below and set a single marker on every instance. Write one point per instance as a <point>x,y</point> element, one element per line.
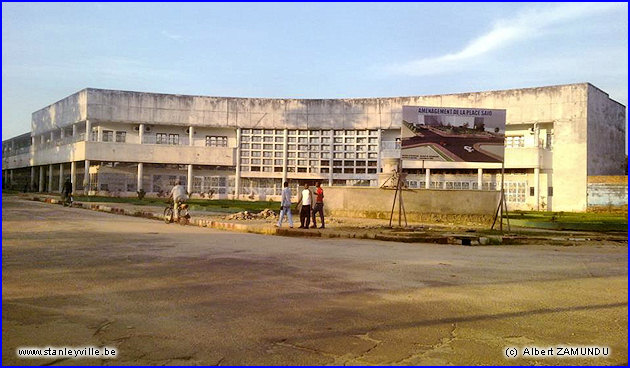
<point>305,50</point>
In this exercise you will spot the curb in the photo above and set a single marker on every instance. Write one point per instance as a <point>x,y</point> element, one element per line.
<point>448,238</point>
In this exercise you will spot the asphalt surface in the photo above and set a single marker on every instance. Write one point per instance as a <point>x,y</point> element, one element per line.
<point>453,146</point>
<point>168,294</point>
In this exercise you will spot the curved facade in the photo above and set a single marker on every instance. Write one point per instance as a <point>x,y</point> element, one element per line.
<point>126,141</point>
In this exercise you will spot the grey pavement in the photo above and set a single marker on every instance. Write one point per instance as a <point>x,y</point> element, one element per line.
<point>165,294</point>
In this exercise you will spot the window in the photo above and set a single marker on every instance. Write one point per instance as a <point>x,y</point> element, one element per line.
<point>549,141</point>
<point>267,139</point>
<point>268,146</point>
<point>277,154</point>
<point>243,145</point>
<point>279,139</point>
<point>218,141</point>
<point>121,137</point>
<point>173,139</point>
<point>161,138</point>
<point>278,147</point>
<point>108,136</point>
<point>515,141</point>
<point>531,191</point>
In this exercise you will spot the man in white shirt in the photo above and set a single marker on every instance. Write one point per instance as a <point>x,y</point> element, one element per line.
<point>305,199</point>
<point>285,205</point>
<point>179,195</point>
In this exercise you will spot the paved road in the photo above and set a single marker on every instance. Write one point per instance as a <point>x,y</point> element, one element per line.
<point>454,146</point>
<point>166,294</point>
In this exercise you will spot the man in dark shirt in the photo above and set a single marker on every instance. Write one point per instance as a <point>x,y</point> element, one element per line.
<point>319,205</point>
<point>66,192</point>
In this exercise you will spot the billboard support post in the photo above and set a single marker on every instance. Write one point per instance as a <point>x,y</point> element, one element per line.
<point>502,207</point>
<point>398,194</point>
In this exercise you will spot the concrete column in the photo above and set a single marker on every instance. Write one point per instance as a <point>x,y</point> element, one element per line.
<point>479,179</point>
<point>32,178</point>
<point>331,154</point>
<point>74,130</point>
<point>50,178</point>
<point>62,133</point>
<point>86,177</point>
<point>141,135</point>
<point>237,177</point>
<point>6,179</point>
<point>190,178</point>
<point>52,137</point>
<point>11,177</point>
<point>427,178</point>
<point>41,179</point>
<point>73,175</point>
<point>140,175</point>
<point>61,181</point>
<point>88,130</point>
<point>537,187</point>
<point>42,139</point>
<point>191,133</point>
<point>378,150</point>
<point>32,140</point>
<point>99,133</point>
<point>285,154</point>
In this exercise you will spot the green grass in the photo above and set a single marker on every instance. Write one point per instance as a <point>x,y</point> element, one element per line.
<point>218,205</point>
<point>584,221</point>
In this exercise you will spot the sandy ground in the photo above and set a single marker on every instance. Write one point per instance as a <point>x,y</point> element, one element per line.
<point>167,294</point>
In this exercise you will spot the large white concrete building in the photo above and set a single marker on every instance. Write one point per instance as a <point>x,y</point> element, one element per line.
<point>119,142</point>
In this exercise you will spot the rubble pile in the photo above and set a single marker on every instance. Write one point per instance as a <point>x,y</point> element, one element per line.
<point>246,215</point>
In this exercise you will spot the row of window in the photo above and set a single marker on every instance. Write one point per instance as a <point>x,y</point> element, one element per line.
<point>316,155</point>
<point>310,140</point>
<point>312,147</point>
<point>291,162</point>
<point>211,140</point>
<point>109,135</point>
<point>308,132</point>
<point>312,170</point>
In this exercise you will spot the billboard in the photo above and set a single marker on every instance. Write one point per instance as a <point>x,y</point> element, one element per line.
<point>452,134</point>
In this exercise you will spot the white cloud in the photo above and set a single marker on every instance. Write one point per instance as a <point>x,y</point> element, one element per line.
<point>527,24</point>
<point>171,36</point>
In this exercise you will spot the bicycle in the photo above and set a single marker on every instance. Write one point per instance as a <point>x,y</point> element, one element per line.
<point>184,213</point>
<point>67,200</point>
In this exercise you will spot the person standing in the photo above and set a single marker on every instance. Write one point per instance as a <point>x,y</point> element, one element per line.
<point>319,205</point>
<point>305,199</point>
<point>285,206</point>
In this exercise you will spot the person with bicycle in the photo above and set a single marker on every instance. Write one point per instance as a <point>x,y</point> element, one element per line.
<point>178,195</point>
<point>66,193</point>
